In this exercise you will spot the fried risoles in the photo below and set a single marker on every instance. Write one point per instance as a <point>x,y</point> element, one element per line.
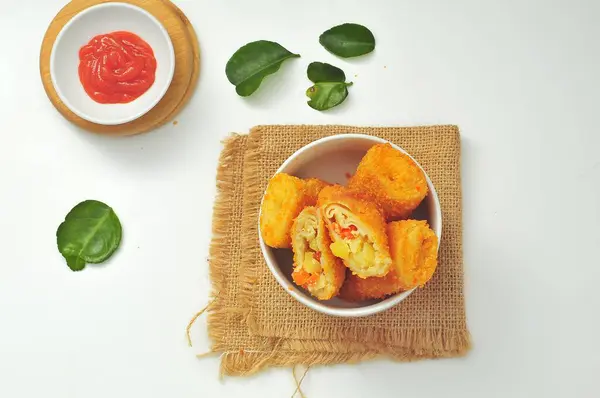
<point>313,188</point>
<point>391,178</point>
<point>414,253</point>
<point>366,216</point>
<point>325,284</point>
<point>284,199</point>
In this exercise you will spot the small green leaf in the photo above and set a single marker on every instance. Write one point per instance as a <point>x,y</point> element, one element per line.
<point>326,95</point>
<point>251,63</point>
<point>330,88</point>
<point>321,72</point>
<point>90,233</point>
<point>348,40</point>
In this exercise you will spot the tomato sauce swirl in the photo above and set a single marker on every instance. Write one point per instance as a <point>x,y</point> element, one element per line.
<point>116,67</point>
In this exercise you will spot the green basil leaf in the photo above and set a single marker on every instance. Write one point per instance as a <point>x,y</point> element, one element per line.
<point>348,40</point>
<point>251,63</point>
<point>326,95</point>
<point>90,233</point>
<point>321,72</point>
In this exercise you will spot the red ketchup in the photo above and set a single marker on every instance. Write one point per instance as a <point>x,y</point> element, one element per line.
<point>116,68</point>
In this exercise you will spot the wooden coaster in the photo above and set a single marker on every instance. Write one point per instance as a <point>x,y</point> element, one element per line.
<point>187,66</point>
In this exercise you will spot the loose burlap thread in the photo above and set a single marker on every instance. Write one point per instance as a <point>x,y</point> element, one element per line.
<point>255,324</point>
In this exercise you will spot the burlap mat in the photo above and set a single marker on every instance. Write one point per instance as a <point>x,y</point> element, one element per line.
<point>254,323</point>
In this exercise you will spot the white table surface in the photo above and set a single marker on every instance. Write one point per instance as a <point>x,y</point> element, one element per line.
<point>520,78</point>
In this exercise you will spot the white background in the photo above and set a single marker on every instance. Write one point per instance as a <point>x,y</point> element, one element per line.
<point>520,78</point>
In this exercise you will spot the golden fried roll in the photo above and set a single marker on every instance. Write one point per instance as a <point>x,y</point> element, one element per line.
<point>313,187</point>
<point>414,253</point>
<point>391,178</point>
<point>315,268</point>
<point>284,199</point>
<point>357,229</point>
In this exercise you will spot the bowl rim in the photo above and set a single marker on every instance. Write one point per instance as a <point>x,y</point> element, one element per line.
<point>158,97</point>
<point>312,303</point>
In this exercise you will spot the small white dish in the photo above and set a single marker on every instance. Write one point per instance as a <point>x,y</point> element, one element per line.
<point>100,19</point>
<point>332,159</point>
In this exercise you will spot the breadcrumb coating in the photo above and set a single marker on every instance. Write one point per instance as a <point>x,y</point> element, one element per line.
<point>413,246</point>
<point>357,229</point>
<point>284,199</point>
<point>391,178</point>
<point>313,188</point>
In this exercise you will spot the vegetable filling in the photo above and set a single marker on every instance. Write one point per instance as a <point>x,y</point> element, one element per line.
<point>352,245</point>
<point>309,270</point>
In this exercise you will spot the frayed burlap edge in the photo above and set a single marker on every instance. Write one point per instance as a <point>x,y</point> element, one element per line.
<point>271,352</point>
<point>219,242</point>
<point>290,353</point>
<point>250,242</point>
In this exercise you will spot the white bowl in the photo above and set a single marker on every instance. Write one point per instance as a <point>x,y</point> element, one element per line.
<point>330,159</point>
<point>105,18</point>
